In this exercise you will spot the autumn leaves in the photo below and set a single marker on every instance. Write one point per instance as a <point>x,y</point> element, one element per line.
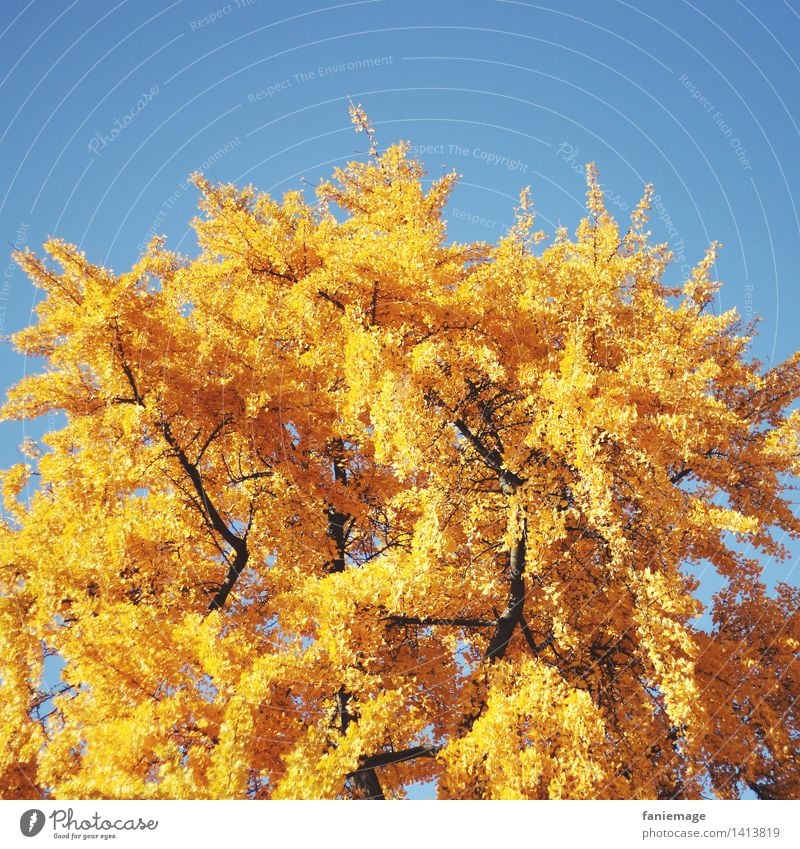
<point>382,508</point>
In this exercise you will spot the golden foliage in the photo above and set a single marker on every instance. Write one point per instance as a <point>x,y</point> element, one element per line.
<point>340,505</point>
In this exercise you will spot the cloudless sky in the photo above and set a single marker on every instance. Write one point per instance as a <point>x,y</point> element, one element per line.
<point>108,107</point>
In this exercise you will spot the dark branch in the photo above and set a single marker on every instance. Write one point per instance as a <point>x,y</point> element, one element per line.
<point>137,398</point>
<point>336,531</point>
<point>217,523</point>
<point>289,278</point>
<point>374,309</point>
<point>192,472</point>
<point>516,598</point>
<point>491,457</point>
<point>223,423</point>
<point>338,304</point>
<point>457,621</point>
<point>528,634</point>
<point>365,779</point>
<point>236,568</point>
<point>389,758</point>
<point>234,479</point>
<point>679,476</point>
<point>763,792</point>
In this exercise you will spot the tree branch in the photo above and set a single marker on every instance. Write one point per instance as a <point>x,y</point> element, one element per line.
<point>338,304</point>
<point>215,520</point>
<point>137,398</point>
<point>528,634</point>
<point>516,598</point>
<point>365,779</point>
<point>374,308</point>
<point>224,421</point>
<point>457,621</point>
<point>389,758</point>
<point>192,472</point>
<point>491,457</point>
<point>337,520</point>
<point>679,476</point>
<point>236,568</point>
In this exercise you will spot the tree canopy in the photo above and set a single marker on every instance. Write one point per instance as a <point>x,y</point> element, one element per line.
<point>341,505</point>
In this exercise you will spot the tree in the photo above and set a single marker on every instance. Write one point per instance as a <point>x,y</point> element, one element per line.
<point>340,505</point>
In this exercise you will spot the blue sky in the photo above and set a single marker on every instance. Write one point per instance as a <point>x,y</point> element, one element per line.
<point>108,107</point>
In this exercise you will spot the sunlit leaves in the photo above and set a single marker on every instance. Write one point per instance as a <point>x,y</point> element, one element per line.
<point>307,478</point>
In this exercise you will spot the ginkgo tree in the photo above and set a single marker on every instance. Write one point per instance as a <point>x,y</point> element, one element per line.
<point>340,505</point>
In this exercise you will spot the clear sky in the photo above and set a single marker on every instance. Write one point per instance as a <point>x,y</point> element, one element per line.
<point>108,106</point>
